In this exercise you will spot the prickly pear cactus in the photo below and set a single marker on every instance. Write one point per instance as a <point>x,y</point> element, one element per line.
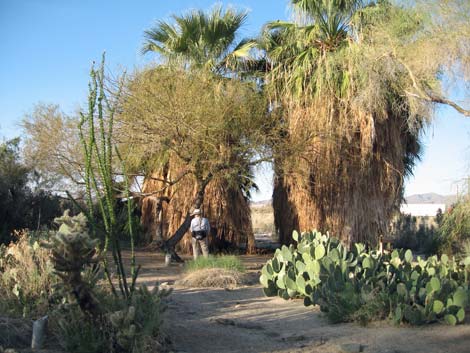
<point>430,290</point>
<point>320,269</point>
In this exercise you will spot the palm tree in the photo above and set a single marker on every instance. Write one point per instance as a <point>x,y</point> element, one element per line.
<point>200,39</point>
<point>207,41</point>
<point>353,133</point>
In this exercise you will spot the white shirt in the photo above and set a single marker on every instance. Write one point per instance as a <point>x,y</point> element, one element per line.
<point>200,223</point>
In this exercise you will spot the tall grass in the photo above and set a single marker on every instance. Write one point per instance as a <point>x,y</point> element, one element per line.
<point>455,228</point>
<point>223,262</point>
<point>26,277</point>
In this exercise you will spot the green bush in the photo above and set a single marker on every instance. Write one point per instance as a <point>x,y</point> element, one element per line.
<point>92,319</point>
<point>23,204</point>
<point>454,231</point>
<point>149,307</point>
<point>342,282</point>
<point>76,333</point>
<point>417,234</point>
<point>224,262</point>
<point>123,327</point>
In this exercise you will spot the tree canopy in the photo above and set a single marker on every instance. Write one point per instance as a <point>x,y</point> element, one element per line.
<point>22,203</point>
<point>351,83</point>
<point>212,125</point>
<point>356,95</point>
<point>200,39</point>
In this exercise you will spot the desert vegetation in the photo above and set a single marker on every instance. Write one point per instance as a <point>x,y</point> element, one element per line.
<point>361,285</point>
<point>214,272</point>
<point>356,101</point>
<point>336,100</point>
<point>207,41</point>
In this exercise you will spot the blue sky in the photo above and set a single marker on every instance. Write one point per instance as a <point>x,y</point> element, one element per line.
<point>47,48</point>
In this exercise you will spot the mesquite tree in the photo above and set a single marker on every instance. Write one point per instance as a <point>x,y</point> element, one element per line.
<point>206,126</point>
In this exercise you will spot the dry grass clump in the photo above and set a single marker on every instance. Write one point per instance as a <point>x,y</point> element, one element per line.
<point>212,277</point>
<point>214,271</point>
<point>26,276</point>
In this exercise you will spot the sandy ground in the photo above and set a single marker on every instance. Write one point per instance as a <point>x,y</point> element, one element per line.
<point>244,320</point>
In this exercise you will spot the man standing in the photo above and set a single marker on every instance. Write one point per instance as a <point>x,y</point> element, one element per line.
<point>200,229</point>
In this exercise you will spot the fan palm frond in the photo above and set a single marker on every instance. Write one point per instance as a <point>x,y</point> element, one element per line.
<point>200,38</point>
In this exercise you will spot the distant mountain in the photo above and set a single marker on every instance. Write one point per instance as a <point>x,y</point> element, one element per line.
<point>431,197</point>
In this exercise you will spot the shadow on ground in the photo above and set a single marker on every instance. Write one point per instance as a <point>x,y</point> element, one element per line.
<point>244,320</point>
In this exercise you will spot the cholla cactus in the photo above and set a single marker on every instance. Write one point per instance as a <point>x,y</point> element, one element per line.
<point>72,252</point>
<point>124,327</point>
<point>72,247</point>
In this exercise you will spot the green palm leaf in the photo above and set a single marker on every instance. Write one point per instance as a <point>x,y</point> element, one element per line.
<point>200,38</point>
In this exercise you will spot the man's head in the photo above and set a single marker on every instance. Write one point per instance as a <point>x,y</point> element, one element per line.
<point>196,212</point>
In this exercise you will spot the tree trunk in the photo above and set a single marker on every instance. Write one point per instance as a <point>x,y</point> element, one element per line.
<point>224,205</point>
<point>169,245</point>
<point>351,199</point>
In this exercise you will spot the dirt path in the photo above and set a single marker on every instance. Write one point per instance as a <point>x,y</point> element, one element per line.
<point>243,320</point>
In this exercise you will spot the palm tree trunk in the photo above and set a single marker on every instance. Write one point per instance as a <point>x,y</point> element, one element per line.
<point>343,195</point>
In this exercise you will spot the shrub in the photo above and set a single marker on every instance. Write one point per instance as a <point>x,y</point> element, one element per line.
<point>149,308</point>
<point>416,233</point>
<point>455,228</point>
<point>76,333</point>
<point>92,319</point>
<point>322,271</point>
<point>23,204</point>
<point>123,327</point>
<point>27,280</point>
<point>223,262</point>
<point>373,306</point>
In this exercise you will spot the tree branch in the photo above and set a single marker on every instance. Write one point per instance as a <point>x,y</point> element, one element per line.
<point>431,97</point>
<point>441,100</point>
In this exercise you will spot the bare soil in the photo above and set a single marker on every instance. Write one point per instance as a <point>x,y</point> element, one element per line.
<point>213,320</point>
<point>244,320</point>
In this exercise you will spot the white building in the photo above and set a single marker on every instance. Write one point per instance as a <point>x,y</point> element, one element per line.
<point>422,209</point>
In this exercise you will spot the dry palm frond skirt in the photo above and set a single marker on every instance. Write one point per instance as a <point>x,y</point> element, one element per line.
<point>224,205</point>
<point>347,179</point>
